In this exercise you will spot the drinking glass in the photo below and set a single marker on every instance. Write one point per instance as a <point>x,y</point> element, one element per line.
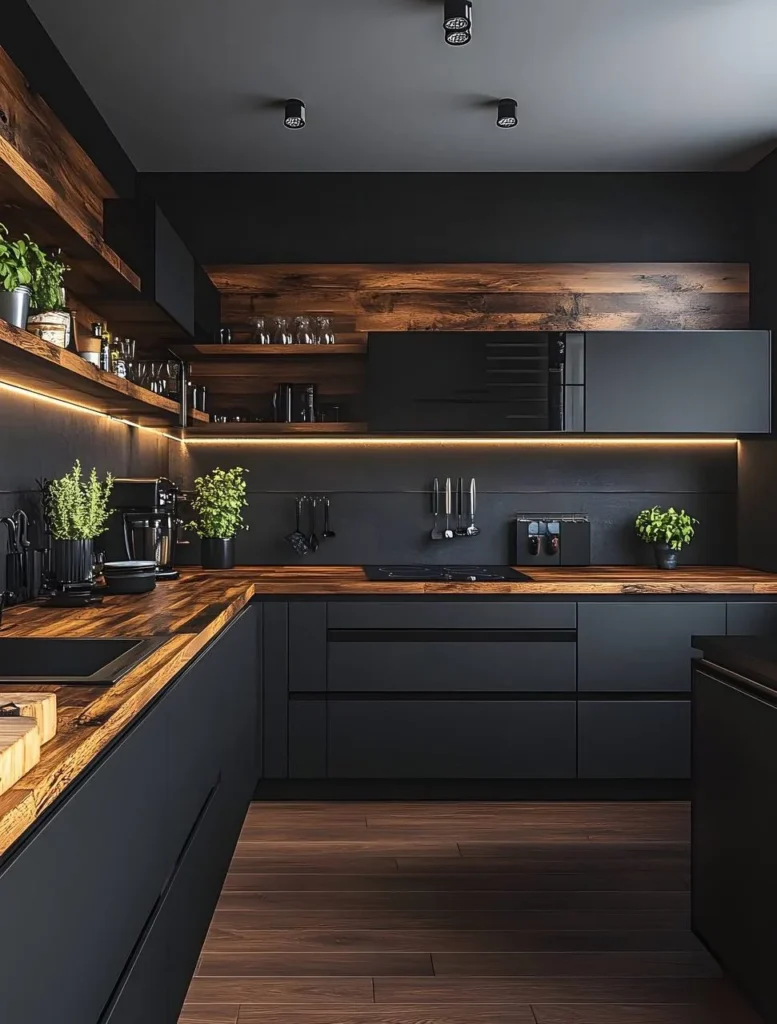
<point>324,333</point>
<point>283,335</point>
<point>305,335</point>
<point>261,336</point>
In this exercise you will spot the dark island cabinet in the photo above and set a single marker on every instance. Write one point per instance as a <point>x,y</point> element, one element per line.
<point>121,879</point>
<point>677,382</point>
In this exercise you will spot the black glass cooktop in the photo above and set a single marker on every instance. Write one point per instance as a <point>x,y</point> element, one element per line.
<point>445,573</point>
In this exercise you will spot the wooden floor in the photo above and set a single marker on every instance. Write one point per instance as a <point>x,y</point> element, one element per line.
<point>454,913</point>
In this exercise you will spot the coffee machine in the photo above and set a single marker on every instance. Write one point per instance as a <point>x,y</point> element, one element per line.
<point>145,523</point>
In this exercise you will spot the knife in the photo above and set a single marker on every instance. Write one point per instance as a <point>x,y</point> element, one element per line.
<point>461,512</point>
<point>448,509</point>
<point>472,530</point>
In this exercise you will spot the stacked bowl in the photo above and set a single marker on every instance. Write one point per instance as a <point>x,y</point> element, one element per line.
<point>129,577</point>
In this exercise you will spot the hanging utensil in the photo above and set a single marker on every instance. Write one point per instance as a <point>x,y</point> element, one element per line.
<point>13,573</point>
<point>448,509</point>
<point>461,512</point>
<point>328,533</point>
<point>22,521</point>
<point>313,539</point>
<point>472,530</point>
<point>436,533</point>
<point>297,539</point>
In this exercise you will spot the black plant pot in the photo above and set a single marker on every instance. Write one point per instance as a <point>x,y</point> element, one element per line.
<point>73,561</point>
<point>218,553</point>
<point>666,557</point>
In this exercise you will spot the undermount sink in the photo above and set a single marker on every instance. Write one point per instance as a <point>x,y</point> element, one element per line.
<point>76,660</point>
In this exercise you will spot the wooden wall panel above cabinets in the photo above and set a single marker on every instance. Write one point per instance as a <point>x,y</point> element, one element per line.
<point>492,296</point>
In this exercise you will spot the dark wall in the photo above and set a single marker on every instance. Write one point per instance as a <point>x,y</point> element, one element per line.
<point>762,197</point>
<point>30,47</point>
<point>452,218</point>
<point>380,497</point>
<point>43,440</point>
<point>757,501</point>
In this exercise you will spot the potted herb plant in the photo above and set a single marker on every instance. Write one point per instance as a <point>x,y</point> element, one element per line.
<point>667,530</point>
<point>77,511</point>
<point>50,319</point>
<point>17,262</point>
<point>218,503</point>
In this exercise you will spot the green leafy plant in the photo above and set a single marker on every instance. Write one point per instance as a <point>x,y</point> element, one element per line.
<point>665,526</point>
<point>218,503</point>
<point>48,276</point>
<point>17,260</point>
<point>77,509</point>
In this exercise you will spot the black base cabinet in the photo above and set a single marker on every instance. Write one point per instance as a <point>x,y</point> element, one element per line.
<point>634,739</point>
<point>111,896</point>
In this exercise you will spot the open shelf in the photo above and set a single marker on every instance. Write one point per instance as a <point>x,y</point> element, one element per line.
<point>196,352</point>
<point>229,431</point>
<point>28,362</point>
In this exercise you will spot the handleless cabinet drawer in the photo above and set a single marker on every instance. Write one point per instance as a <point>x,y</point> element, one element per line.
<point>634,739</point>
<point>450,665</point>
<point>457,614</point>
<point>451,739</point>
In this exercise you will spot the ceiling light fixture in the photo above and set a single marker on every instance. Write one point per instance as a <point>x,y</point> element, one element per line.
<point>457,22</point>
<point>295,114</point>
<point>506,115</point>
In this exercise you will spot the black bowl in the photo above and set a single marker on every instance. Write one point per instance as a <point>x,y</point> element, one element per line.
<point>130,584</point>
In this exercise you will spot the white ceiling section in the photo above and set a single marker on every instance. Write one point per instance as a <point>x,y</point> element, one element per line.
<point>602,85</point>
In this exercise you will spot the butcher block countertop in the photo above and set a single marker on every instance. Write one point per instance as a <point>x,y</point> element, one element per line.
<point>194,609</point>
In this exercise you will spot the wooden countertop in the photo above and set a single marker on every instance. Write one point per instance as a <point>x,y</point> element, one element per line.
<point>196,608</point>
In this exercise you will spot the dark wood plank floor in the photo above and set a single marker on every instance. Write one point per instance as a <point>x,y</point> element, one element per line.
<point>490,913</point>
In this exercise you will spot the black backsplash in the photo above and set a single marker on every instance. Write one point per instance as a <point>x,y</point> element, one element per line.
<point>43,440</point>
<point>380,497</point>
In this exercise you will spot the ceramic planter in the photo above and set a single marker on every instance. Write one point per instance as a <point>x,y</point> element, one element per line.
<point>73,561</point>
<point>15,305</point>
<point>218,552</point>
<point>666,557</point>
<point>53,327</point>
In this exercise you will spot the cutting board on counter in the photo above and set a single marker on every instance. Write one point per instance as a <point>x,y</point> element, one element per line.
<point>19,749</point>
<point>40,706</point>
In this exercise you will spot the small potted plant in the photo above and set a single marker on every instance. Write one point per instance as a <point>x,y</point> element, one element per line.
<point>667,530</point>
<point>17,262</point>
<point>50,319</point>
<point>77,511</point>
<point>218,503</point>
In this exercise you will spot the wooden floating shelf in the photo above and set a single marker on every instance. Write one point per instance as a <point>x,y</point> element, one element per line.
<point>230,431</point>
<point>251,351</point>
<point>28,362</point>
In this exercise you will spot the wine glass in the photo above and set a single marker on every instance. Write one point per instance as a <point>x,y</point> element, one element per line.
<point>283,335</point>
<point>304,333</point>
<point>325,335</point>
<point>261,336</point>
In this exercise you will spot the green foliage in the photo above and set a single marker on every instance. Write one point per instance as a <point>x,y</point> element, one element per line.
<point>17,261</point>
<point>218,503</point>
<point>77,509</point>
<point>665,526</point>
<point>48,273</point>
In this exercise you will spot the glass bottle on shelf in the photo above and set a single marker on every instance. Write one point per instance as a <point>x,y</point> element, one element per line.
<point>305,335</point>
<point>324,333</point>
<point>261,336</point>
<point>105,350</point>
<point>118,365</point>
<point>283,335</point>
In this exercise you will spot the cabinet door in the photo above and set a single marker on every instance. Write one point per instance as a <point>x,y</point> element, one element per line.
<point>79,892</point>
<point>418,739</point>
<point>641,646</point>
<point>751,618</point>
<point>634,739</point>
<point>734,886</point>
<point>665,382</point>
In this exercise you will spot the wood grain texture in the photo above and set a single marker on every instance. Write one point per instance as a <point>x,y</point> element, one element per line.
<point>602,969</point>
<point>19,749</point>
<point>40,706</point>
<point>514,297</point>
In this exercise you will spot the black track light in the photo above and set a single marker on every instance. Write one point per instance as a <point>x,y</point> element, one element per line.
<point>295,114</point>
<point>506,115</point>
<point>457,22</point>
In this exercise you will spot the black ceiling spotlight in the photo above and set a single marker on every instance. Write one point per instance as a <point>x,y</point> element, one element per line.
<point>457,22</point>
<point>506,114</point>
<point>295,114</point>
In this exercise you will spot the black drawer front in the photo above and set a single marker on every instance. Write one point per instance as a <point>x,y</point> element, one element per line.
<point>634,739</point>
<point>458,739</point>
<point>429,614</point>
<point>751,618</point>
<point>452,666</point>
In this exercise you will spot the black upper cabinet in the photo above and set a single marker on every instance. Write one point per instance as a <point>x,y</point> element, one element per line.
<point>676,382</point>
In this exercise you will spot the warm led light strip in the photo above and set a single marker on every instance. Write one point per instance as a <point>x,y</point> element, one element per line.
<point>490,442</point>
<point>62,403</point>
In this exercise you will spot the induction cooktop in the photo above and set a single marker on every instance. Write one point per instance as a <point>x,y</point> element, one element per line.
<point>445,573</point>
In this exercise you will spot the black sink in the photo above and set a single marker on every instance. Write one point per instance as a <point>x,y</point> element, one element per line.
<point>79,660</point>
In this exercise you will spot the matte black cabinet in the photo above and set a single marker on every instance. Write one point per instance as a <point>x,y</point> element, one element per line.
<point>642,646</point>
<point>634,739</point>
<point>122,878</point>
<point>667,382</point>
<point>751,618</point>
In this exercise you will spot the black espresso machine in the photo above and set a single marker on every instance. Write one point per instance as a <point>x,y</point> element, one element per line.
<point>145,523</point>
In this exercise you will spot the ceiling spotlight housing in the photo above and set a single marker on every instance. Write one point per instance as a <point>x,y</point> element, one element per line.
<point>295,114</point>
<point>507,114</point>
<point>457,22</point>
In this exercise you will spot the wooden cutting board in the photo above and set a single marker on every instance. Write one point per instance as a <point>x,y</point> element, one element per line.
<point>19,749</point>
<point>40,706</point>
